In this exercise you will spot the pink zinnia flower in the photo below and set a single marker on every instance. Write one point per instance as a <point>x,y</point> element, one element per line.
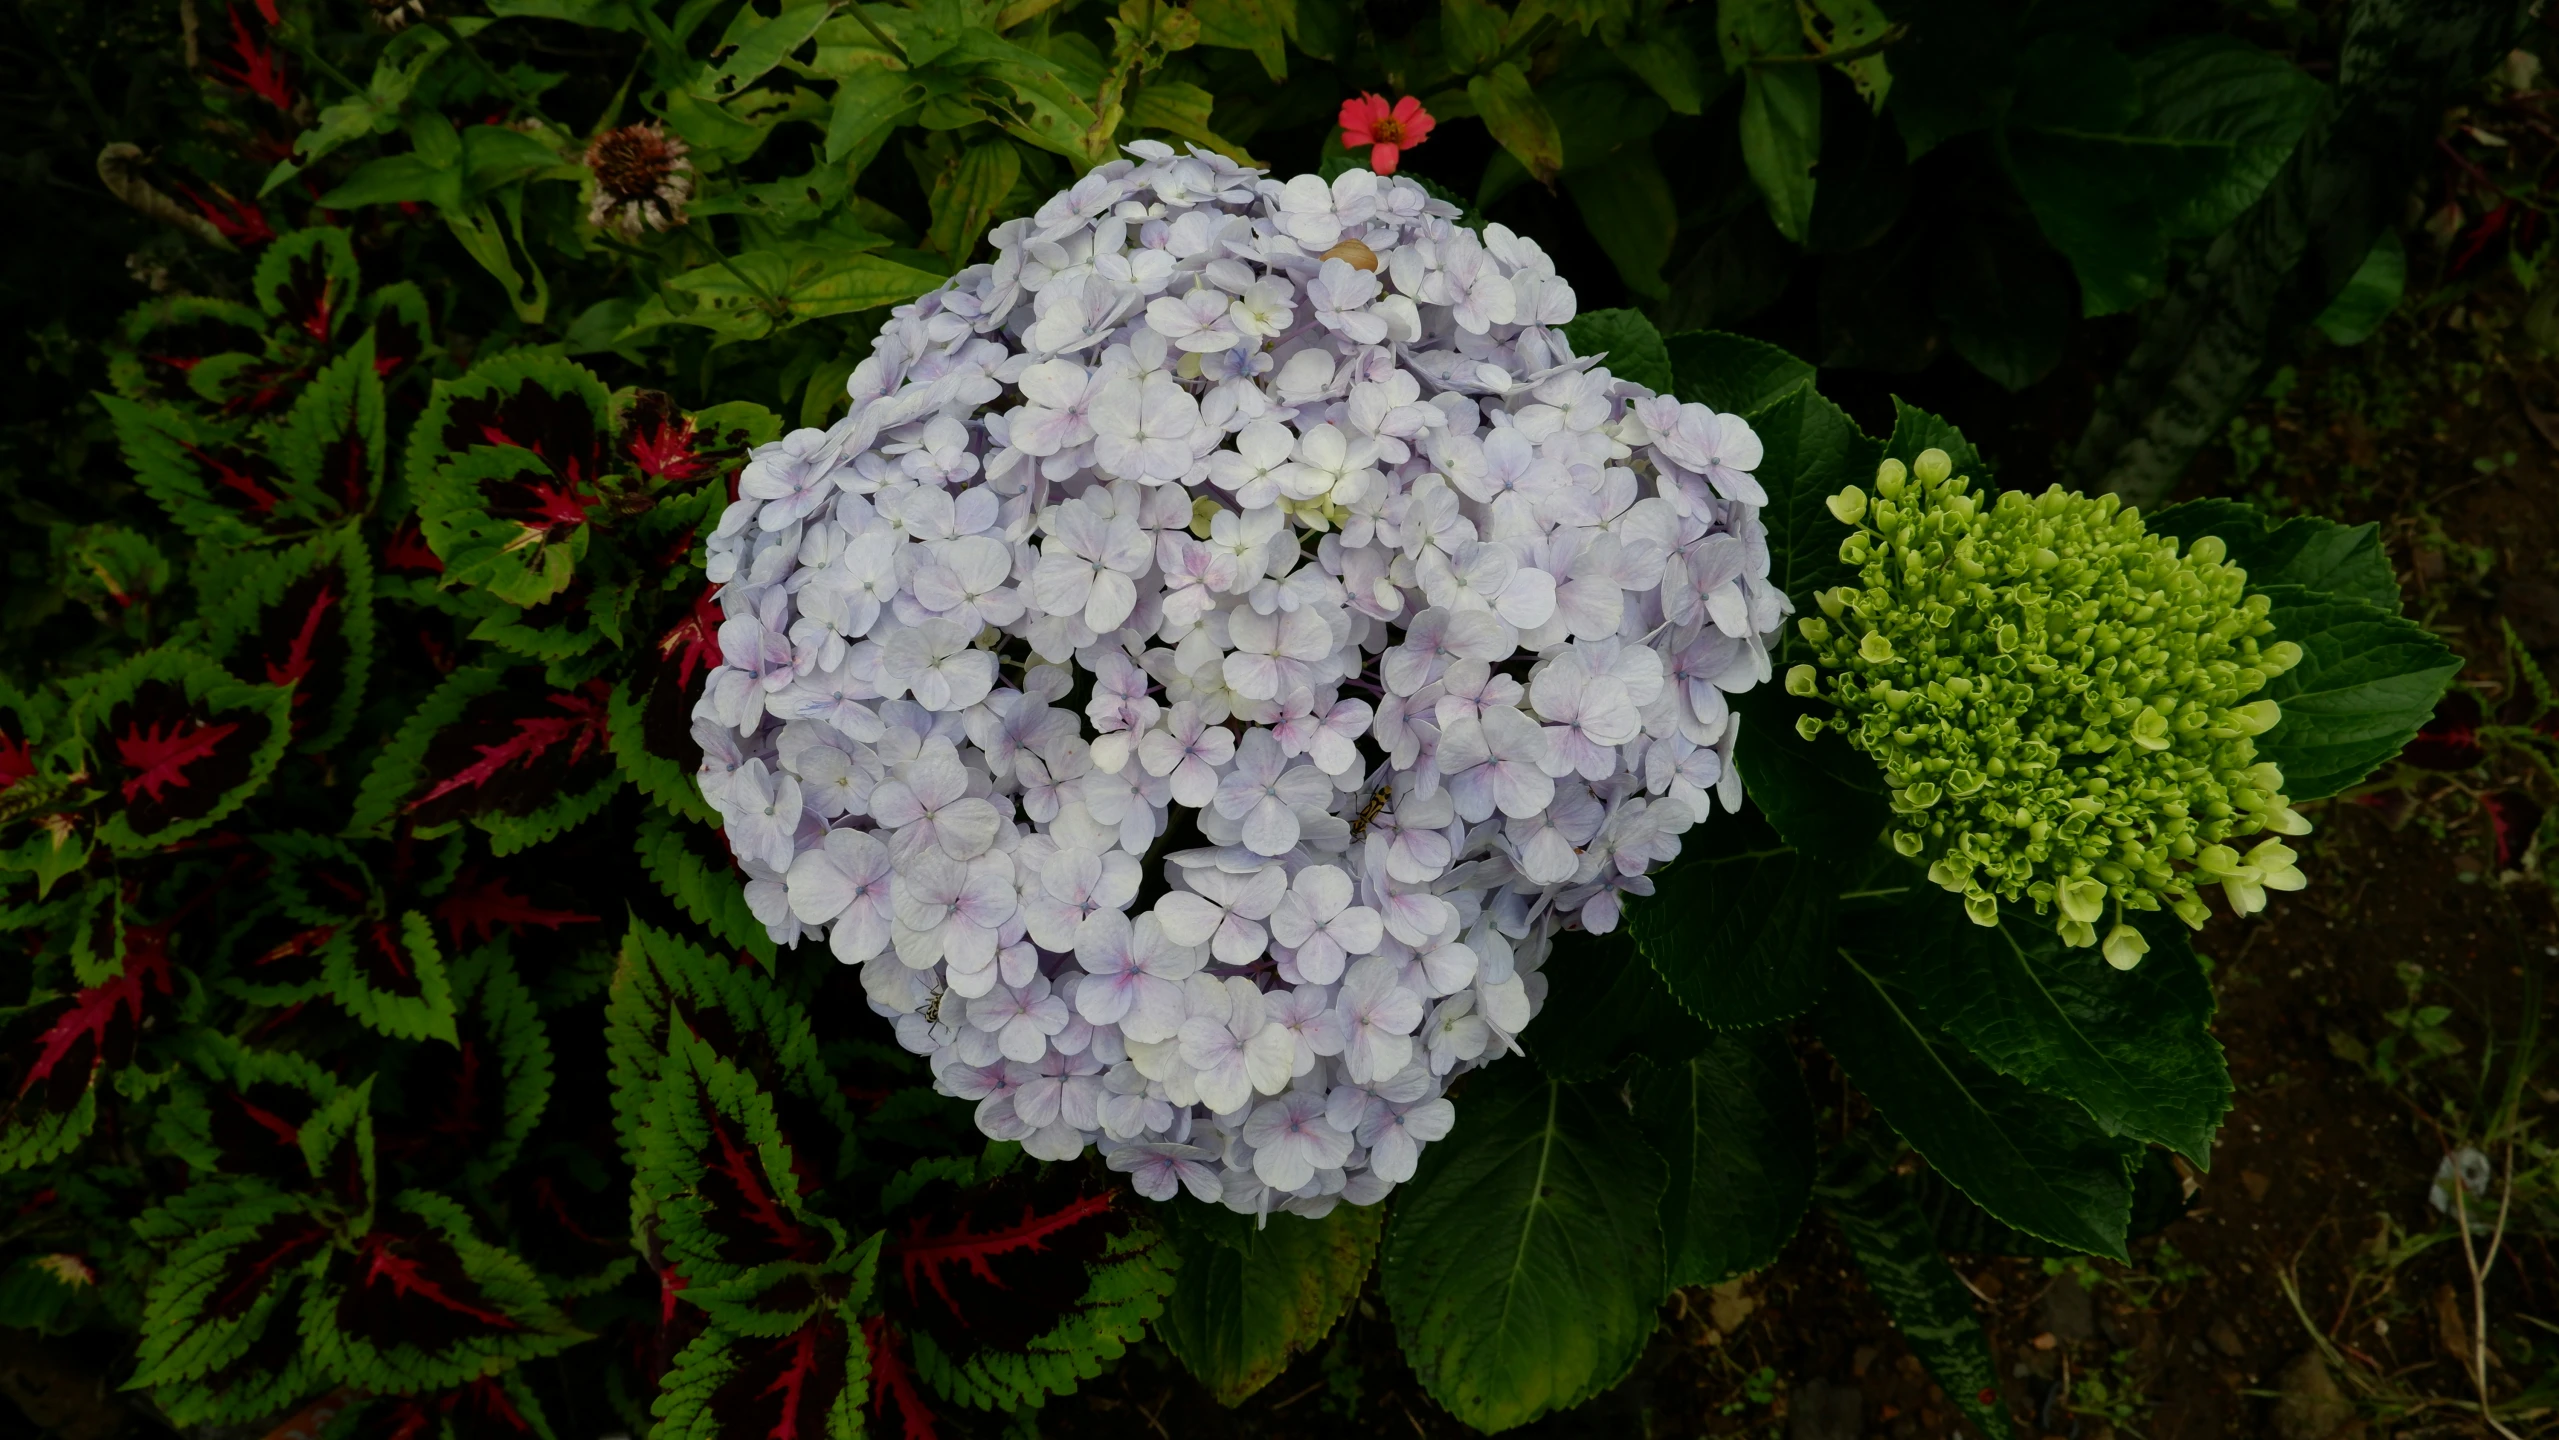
<point>1392,129</point>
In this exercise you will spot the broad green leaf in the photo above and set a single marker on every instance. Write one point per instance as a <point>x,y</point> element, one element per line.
<point>1896,1247</point>
<point>803,282</point>
<point>1736,1132</point>
<point>1512,111</point>
<point>2370,294</point>
<point>2233,113</point>
<point>2074,145</point>
<point>1260,26</point>
<point>1626,343</point>
<point>1732,373</point>
<point>1181,109</point>
<point>392,179</point>
<point>376,110</point>
<point>755,43</point>
<point>1781,134</point>
<point>2034,1160</point>
<point>1629,210</point>
<point>1688,76</point>
<point>2318,554</point>
<point>1237,1317</point>
<point>1604,1007</point>
<point>966,196</point>
<point>2159,1200</point>
<point>1472,30</point>
<point>2367,679</point>
<point>2133,1047</point>
<point>867,103</point>
<point>1524,1260</point>
<point>1811,451</point>
<point>1915,431</point>
<point>2007,299</point>
<point>1826,797</point>
<point>1740,925</point>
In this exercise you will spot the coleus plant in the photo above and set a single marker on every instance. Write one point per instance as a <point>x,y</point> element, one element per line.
<point>386,1044</point>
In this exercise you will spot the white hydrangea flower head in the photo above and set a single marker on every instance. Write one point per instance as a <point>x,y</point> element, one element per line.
<point>1226,640</point>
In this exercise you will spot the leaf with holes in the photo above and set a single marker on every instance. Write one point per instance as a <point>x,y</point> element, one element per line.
<point>419,1301</point>
<point>177,744</point>
<point>300,617</point>
<point>497,747</point>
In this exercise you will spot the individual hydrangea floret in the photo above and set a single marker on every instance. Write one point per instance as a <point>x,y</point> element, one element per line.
<point>2058,700</point>
<point>1227,638</point>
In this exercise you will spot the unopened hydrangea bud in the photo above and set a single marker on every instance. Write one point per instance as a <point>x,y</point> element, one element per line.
<point>2058,699</point>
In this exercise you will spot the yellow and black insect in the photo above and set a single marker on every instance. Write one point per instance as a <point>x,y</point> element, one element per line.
<point>933,1007</point>
<point>1369,811</point>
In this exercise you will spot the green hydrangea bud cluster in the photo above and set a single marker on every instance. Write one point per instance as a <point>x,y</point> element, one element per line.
<point>2058,699</point>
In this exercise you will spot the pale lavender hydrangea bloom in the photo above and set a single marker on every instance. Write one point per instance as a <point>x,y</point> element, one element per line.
<point>1401,638</point>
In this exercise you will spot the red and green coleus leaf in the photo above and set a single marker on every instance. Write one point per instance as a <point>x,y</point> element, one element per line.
<point>555,409</point>
<point>217,479</point>
<point>240,1110</point>
<point>783,1356</point>
<point>491,1408</point>
<point>481,903</point>
<point>308,283</point>
<point>333,444</point>
<point>387,972</point>
<point>117,573</point>
<point>505,522</point>
<point>268,1375</point>
<point>45,789</point>
<point>497,747</point>
<point>95,920</point>
<point>670,448</point>
<point>177,744</point>
<point>468,1106</point>
<point>419,1302</point>
<point>54,1052</point>
<point>240,1249</point>
<point>273,957</point>
<point>693,867</point>
<point>164,341</point>
<point>338,1153</point>
<point>1018,1289</point>
<point>396,318</point>
<point>302,617</point>
<point>652,714</point>
<point>726,1184</point>
<point>586,615</point>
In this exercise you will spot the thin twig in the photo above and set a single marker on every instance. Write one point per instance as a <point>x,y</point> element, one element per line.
<point>2479,1268</point>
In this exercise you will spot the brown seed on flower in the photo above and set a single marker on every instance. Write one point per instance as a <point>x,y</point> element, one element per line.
<point>642,180</point>
<point>1359,255</point>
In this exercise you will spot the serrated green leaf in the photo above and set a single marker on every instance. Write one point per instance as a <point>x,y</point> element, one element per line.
<point>1524,1259</point>
<point>2134,1047</point>
<point>2034,1160</point>
<point>692,866</point>
<point>1604,1007</point>
<point>366,1317</point>
<point>1735,1131</point>
<point>2367,680</point>
<point>2317,554</point>
<point>1897,1249</point>
<point>389,975</point>
<point>1239,1316</point>
<point>1732,373</point>
<point>302,616</point>
<point>1739,926</point>
<point>2231,114</point>
<point>802,283</point>
<point>212,477</point>
<point>1916,430</point>
<point>1823,796</point>
<point>178,743</point>
<point>1626,342</point>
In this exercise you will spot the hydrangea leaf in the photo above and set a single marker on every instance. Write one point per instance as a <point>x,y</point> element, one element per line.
<point>1811,451</point>
<point>1735,1131</point>
<point>2318,554</point>
<point>1237,1317</point>
<point>302,617</point>
<point>1739,925</point>
<point>418,1301</point>
<point>2132,1046</point>
<point>1823,797</point>
<point>55,1051</point>
<point>178,744</point>
<point>1626,343</point>
<point>2036,1161</point>
<point>1525,1257</point>
<point>1605,1005</point>
<point>2367,680</point>
<point>1730,373</point>
<point>1897,1250</point>
<point>499,748</point>
<point>1964,1228</point>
